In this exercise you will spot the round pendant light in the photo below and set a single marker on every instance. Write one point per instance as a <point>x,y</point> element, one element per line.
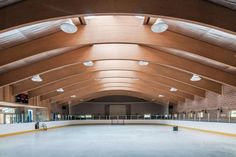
<point>68,27</point>
<point>159,26</point>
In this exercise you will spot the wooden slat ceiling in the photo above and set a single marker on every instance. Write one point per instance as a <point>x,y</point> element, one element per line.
<point>200,59</point>
<point>227,3</point>
<point>206,34</point>
<point>25,34</point>
<point>202,11</point>
<point>216,39</point>
<point>35,58</point>
<point>4,3</point>
<point>28,33</point>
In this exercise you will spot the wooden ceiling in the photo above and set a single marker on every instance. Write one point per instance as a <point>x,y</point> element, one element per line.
<point>200,11</point>
<point>116,44</point>
<point>226,3</point>
<point>4,3</point>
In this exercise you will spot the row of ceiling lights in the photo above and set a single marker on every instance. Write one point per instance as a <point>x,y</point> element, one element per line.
<point>61,90</point>
<point>69,27</point>
<point>158,27</point>
<point>37,78</point>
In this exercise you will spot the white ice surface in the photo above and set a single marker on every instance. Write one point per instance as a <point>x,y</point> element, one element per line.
<point>117,141</point>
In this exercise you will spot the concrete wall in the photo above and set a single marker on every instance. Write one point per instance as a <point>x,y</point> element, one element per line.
<point>135,108</point>
<point>91,108</point>
<point>223,128</point>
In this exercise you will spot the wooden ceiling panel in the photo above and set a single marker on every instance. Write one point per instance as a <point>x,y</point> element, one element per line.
<point>200,11</point>
<point>114,32</point>
<point>207,34</point>
<point>61,74</point>
<point>25,34</point>
<point>118,52</point>
<point>36,58</point>
<point>199,59</point>
<point>227,3</point>
<point>117,81</point>
<point>174,55</point>
<point>112,86</point>
<point>116,74</point>
<point>102,93</point>
<point>4,3</point>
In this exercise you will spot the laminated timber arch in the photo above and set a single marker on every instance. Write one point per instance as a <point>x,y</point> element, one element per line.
<point>113,88</point>
<point>123,31</point>
<point>180,96</point>
<point>111,65</point>
<point>200,11</point>
<point>102,93</point>
<point>119,52</point>
<point>116,75</point>
<point>116,45</point>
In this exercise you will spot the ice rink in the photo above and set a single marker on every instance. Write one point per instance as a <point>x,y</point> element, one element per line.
<point>118,141</point>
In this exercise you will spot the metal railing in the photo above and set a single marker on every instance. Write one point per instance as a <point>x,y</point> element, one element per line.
<point>191,116</point>
<point>117,121</point>
<point>206,117</point>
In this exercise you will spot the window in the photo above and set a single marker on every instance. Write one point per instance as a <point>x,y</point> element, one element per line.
<point>233,113</point>
<point>147,116</point>
<point>201,114</point>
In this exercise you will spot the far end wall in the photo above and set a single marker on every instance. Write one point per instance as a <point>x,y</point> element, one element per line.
<point>138,108</point>
<point>133,106</point>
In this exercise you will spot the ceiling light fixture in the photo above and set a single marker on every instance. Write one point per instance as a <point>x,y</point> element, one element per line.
<point>60,90</point>
<point>88,63</point>
<point>68,27</point>
<point>73,96</point>
<point>195,77</point>
<point>172,89</point>
<point>36,78</point>
<point>143,63</point>
<point>159,26</point>
<point>161,96</point>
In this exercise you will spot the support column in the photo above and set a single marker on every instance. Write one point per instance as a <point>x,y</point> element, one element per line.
<point>47,104</point>
<point>1,94</point>
<point>35,101</point>
<point>166,109</point>
<point>6,94</point>
<point>70,107</point>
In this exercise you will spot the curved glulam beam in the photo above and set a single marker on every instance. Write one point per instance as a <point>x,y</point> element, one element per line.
<point>108,65</point>
<point>119,51</point>
<point>71,71</point>
<point>153,80</point>
<point>121,78</point>
<point>123,81</point>
<point>115,86</point>
<point>194,10</point>
<point>117,30</point>
<point>141,87</point>
<point>102,93</point>
<point>88,97</point>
